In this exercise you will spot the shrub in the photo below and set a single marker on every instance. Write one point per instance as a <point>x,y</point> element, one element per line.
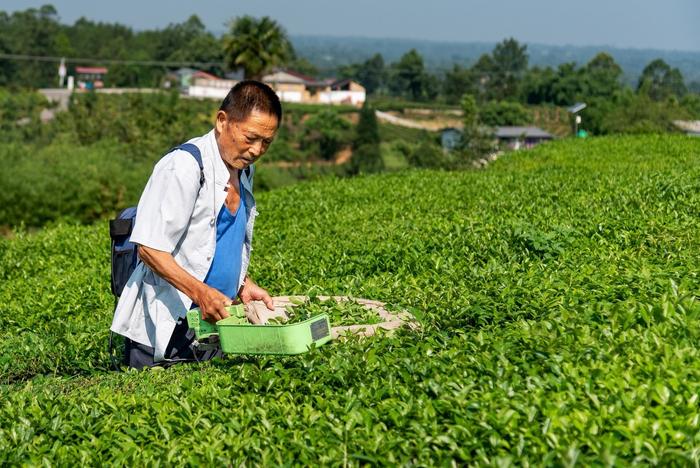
<point>504,113</point>
<point>325,133</point>
<point>65,181</point>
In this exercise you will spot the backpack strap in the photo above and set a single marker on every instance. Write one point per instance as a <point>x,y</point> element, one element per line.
<point>196,154</point>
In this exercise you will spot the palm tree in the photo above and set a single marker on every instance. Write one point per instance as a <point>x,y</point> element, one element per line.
<point>256,45</point>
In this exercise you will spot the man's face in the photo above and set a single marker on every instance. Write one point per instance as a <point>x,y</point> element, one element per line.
<point>242,143</point>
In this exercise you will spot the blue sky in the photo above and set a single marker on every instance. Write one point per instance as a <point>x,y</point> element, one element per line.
<point>657,24</point>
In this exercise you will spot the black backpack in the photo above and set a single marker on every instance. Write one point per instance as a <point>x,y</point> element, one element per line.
<point>124,252</point>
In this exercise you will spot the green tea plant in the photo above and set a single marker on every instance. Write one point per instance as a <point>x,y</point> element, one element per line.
<point>339,312</point>
<point>557,290</point>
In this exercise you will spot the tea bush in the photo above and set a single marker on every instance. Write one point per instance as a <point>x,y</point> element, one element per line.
<point>65,181</point>
<point>557,291</point>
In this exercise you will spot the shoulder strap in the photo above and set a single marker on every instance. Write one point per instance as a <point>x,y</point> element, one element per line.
<point>194,151</point>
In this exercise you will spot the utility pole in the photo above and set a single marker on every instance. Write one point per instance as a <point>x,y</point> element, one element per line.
<point>61,72</point>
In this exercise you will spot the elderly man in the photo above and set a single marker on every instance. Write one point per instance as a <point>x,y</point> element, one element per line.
<point>194,235</point>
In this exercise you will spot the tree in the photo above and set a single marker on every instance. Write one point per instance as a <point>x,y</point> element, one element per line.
<point>659,81</point>
<point>568,86</point>
<point>325,133</point>
<point>410,78</point>
<point>537,85</point>
<point>189,42</point>
<point>366,154</point>
<point>256,45</point>
<point>631,112</point>
<point>372,74</point>
<point>509,65</point>
<point>603,76</point>
<point>496,113</point>
<point>476,140</point>
<point>483,70</point>
<point>458,82</point>
<point>31,32</point>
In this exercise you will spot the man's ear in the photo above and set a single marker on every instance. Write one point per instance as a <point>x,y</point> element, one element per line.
<point>221,121</point>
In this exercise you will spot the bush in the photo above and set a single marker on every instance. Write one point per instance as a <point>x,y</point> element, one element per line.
<point>19,113</point>
<point>64,181</point>
<point>150,124</point>
<point>325,133</point>
<point>429,155</point>
<point>504,113</point>
<point>632,114</point>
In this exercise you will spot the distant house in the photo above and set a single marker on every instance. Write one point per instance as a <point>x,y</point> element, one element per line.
<point>180,78</point>
<point>90,77</point>
<point>289,85</point>
<point>511,137</point>
<point>206,85</point>
<point>296,87</point>
<point>450,138</point>
<point>344,92</point>
<point>521,137</point>
<point>690,127</point>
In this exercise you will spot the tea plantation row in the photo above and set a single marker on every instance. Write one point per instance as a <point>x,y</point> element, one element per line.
<point>557,290</point>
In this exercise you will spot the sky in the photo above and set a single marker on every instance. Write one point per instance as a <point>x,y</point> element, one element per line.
<point>642,24</point>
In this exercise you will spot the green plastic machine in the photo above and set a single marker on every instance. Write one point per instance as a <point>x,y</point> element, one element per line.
<point>236,335</point>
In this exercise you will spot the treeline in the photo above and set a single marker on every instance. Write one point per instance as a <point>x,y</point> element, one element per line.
<point>38,32</point>
<point>502,84</point>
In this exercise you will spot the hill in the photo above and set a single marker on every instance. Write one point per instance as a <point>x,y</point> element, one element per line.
<point>328,52</point>
<point>557,289</point>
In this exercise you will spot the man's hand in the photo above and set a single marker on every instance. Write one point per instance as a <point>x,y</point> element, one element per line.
<point>252,292</point>
<point>213,304</point>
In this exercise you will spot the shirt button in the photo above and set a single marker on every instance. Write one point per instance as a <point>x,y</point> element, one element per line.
<point>209,257</point>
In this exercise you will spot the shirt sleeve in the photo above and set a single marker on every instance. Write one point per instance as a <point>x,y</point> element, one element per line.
<point>167,202</point>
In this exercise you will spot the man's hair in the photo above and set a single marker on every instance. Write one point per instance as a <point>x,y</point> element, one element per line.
<point>249,95</point>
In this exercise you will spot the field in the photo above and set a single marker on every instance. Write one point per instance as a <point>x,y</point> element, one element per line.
<point>557,290</point>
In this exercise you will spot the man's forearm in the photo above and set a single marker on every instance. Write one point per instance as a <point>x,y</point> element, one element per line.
<point>167,268</point>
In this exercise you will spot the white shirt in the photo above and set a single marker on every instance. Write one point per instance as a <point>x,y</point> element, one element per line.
<point>175,215</point>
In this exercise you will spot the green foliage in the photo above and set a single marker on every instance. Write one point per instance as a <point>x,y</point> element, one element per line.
<point>395,154</point>
<point>33,32</point>
<point>659,81</point>
<point>38,32</point>
<point>429,155</point>
<point>458,82</point>
<point>366,154</point>
<point>325,133</point>
<point>19,113</point>
<point>603,76</point>
<point>498,113</point>
<point>477,140</point>
<point>409,78</point>
<point>62,181</point>
<point>691,102</point>
<point>256,45</point>
<point>150,124</point>
<point>558,294</point>
<point>339,312</point>
<point>371,73</point>
<point>632,113</point>
<point>509,65</point>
